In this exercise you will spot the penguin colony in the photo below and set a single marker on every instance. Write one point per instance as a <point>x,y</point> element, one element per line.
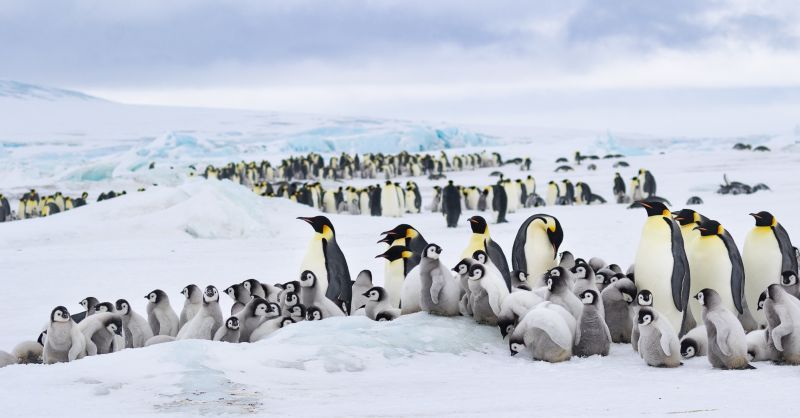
<point>690,293</point>
<point>31,205</point>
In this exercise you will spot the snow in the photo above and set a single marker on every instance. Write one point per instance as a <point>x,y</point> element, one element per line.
<point>189,230</point>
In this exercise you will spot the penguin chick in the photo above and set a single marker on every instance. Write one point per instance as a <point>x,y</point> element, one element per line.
<point>378,302</point>
<point>229,333</point>
<point>88,304</point>
<point>137,330</point>
<point>296,312</point>
<point>100,330</point>
<point>790,283</point>
<point>64,341</point>
<point>618,304</point>
<point>514,307</point>
<point>440,293</point>
<point>760,348</point>
<point>253,287</point>
<point>545,333</point>
<point>783,323</point>
<point>644,298</point>
<point>309,285</point>
<point>193,300</point>
<point>29,352</point>
<point>160,316</point>
<point>268,327</point>
<point>104,307</point>
<point>695,343</point>
<point>727,344</point>
<point>360,286</point>
<point>584,279</point>
<point>591,334</point>
<point>314,314</point>
<point>237,293</point>
<point>389,315</point>
<point>462,270</point>
<point>254,313</point>
<point>519,279</point>
<point>658,342</point>
<point>486,297</point>
<point>558,291</point>
<point>204,325</point>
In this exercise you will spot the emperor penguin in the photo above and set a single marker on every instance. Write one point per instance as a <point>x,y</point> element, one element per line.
<point>482,240</point>
<point>104,307</point>
<point>462,270</point>
<point>695,343</point>
<point>636,190</point>
<point>500,202</point>
<point>662,267</point>
<point>552,193</point>
<point>790,283</point>
<point>727,343</point>
<point>644,299</point>
<point>390,204</point>
<point>559,292</point>
<point>100,331</point>
<point>326,260</point>
<point>648,183</point>
<point>766,254</point>
<point>308,285</point>
<point>536,247</point>
<point>592,336</point>
<point>658,343</point>
<point>784,324</point>
<point>207,321</point>
<point>64,342</point>
<point>378,302</point>
<point>760,347</point>
<point>451,204</point>
<point>160,316</point>
<point>314,314</point>
<point>193,300</point>
<point>410,237</point>
<point>514,307</point>
<point>29,352</point>
<point>487,298</point>
<point>137,330</point>
<point>618,300</point>
<point>236,292</point>
<point>230,332</point>
<point>716,264</point>
<point>689,219</point>
<point>440,292</point>
<point>253,314</point>
<point>546,333</point>
<point>584,280</point>
<point>619,188</point>
<point>88,304</point>
<point>396,271</point>
<point>362,284</point>
<point>253,287</point>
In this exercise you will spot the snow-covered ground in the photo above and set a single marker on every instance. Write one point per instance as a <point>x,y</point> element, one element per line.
<point>214,232</point>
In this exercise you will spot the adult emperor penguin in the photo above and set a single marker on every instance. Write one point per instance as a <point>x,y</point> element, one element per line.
<point>619,188</point>
<point>326,260</point>
<point>137,330</point>
<point>767,253</point>
<point>160,316</point>
<point>193,301</point>
<point>440,292</point>
<point>390,203</point>
<point>648,183</point>
<point>64,342</point>
<point>688,219</point>
<point>481,240</point>
<point>204,325</point>
<point>716,264</point>
<point>552,193</point>
<point>536,247</point>
<point>451,204</point>
<point>727,342</point>
<point>395,272</point>
<point>407,235</point>
<point>662,267</point>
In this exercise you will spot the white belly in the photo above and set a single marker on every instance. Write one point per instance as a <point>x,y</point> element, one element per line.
<point>762,267</point>
<point>315,262</point>
<point>329,203</point>
<point>653,269</point>
<point>393,281</point>
<point>552,194</point>
<point>711,269</point>
<point>539,255</point>
<point>389,204</point>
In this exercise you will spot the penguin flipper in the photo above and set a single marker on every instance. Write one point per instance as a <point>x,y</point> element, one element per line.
<point>788,258</point>
<point>664,341</point>
<point>518,261</point>
<point>78,317</point>
<point>497,256</point>
<point>737,272</point>
<point>723,332</point>
<point>680,268</point>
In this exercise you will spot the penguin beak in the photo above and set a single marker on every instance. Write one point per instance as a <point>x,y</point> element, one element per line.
<point>473,220</point>
<point>308,220</point>
<point>365,294</point>
<point>755,216</point>
<point>385,240</point>
<point>697,228</point>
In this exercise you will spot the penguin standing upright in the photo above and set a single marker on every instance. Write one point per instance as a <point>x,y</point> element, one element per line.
<point>326,260</point>
<point>395,272</point>
<point>716,264</point>
<point>552,193</point>
<point>648,183</point>
<point>500,202</point>
<point>661,265</point>
<point>619,188</point>
<point>536,247</point>
<point>390,203</point>
<point>481,240</point>
<point>767,253</point>
<point>451,204</point>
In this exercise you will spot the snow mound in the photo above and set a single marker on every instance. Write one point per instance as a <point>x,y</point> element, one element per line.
<point>198,209</point>
<point>24,91</point>
<point>170,148</point>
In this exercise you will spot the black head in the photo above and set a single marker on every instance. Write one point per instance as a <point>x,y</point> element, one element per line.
<point>292,286</point>
<point>123,306</point>
<point>211,294</point>
<point>157,296</point>
<point>644,298</point>
<point>190,290</point>
<point>291,298</point>
<point>688,348</point>
<point>59,314</point>
<point>232,323</point>
<point>556,278</point>
<point>686,217</point>
<point>764,218</point>
<point>321,224</point>
<point>402,231</point>
<point>480,256</point>
<point>384,316</point>
<point>583,270</point>
<point>506,325</point>
<point>520,275</point>
<point>762,299</point>
<point>258,307</point>
<point>653,208</point>
<point>708,298</point>
<point>646,316</point>
<point>432,251</point>
<point>709,228</point>
<point>788,278</point>
<point>463,266</point>
<point>477,272</point>
<point>251,284</point>
<point>515,345</point>
<point>89,303</point>
<point>395,253</point>
<point>376,294</point>
<point>628,293</point>
<point>478,225</point>
<point>313,314</point>
<point>234,291</point>
<point>308,279</point>
<point>286,321</point>
<point>298,310</point>
<point>273,309</point>
<point>589,297</point>
<point>114,325</point>
<point>104,307</point>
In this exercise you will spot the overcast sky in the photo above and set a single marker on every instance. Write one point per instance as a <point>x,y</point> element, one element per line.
<point>686,67</point>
